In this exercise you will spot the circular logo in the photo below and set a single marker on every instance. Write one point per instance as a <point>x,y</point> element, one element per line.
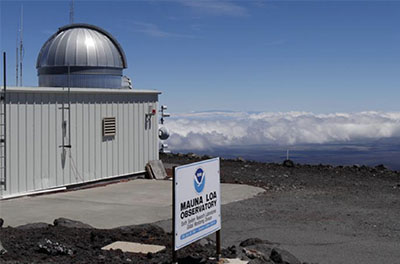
<point>199,180</point>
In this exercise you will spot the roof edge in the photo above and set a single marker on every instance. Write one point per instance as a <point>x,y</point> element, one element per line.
<point>31,89</point>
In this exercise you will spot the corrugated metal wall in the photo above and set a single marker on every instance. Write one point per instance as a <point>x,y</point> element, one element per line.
<point>35,160</point>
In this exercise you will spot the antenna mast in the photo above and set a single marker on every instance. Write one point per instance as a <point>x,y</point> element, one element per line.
<point>16,60</point>
<point>21,45</point>
<point>71,12</point>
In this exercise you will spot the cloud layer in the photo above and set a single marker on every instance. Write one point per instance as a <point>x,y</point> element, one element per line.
<point>208,130</point>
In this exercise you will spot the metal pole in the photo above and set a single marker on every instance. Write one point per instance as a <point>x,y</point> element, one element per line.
<point>71,12</point>
<point>16,61</point>
<point>21,45</point>
<point>174,253</point>
<point>218,240</point>
<point>5,123</point>
<point>63,123</point>
<point>69,106</point>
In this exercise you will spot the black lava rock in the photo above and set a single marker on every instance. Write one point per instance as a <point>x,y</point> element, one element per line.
<point>259,261</point>
<point>288,163</point>
<point>251,242</point>
<point>32,226</point>
<point>229,252</point>
<point>281,256</point>
<point>64,222</point>
<point>49,247</point>
<point>192,260</point>
<point>380,167</point>
<point>2,249</point>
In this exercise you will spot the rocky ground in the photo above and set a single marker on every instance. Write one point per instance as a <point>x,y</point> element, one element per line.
<point>290,176</point>
<point>69,241</point>
<point>356,207</point>
<point>320,213</point>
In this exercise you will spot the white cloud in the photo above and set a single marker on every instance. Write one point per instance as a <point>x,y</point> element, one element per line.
<point>216,7</point>
<point>154,31</point>
<point>207,130</point>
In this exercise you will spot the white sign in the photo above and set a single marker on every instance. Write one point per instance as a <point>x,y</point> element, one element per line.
<point>197,201</point>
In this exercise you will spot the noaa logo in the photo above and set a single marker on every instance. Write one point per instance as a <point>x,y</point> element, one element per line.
<point>199,180</point>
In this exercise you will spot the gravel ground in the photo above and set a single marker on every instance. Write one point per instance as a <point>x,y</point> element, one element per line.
<point>277,177</point>
<point>69,241</point>
<point>319,213</point>
<point>74,242</point>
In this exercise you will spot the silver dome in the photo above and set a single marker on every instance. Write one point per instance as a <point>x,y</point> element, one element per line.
<point>81,45</point>
<point>91,57</point>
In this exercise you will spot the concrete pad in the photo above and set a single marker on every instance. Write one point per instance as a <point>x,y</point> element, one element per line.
<point>134,247</point>
<point>125,203</point>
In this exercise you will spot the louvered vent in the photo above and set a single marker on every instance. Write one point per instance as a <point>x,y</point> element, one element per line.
<point>109,126</point>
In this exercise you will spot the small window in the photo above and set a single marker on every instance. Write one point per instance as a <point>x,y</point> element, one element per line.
<point>109,127</point>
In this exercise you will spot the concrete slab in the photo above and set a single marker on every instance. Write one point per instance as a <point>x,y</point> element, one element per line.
<point>134,247</point>
<point>125,203</point>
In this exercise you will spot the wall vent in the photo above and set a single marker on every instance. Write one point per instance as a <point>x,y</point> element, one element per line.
<point>109,127</point>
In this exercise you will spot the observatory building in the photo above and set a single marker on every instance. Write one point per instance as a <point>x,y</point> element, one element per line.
<point>83,123</point>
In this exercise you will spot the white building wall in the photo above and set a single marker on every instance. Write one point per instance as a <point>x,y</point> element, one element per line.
<point>34,136</point>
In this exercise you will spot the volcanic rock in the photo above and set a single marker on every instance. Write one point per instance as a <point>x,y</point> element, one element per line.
<point>380,167</point>
<point>206,242</point>
<point>252,241</point>
<point>33,226</point>
<point>229,252</point>
<point>260,261</point>
<point>288,163</point>
<point>193,156</point>
<point>2,249</point>
<point>252,254</point>
<point>192,260</point>
<point>240,159</point>
<point>53,248</point>
<point>281,256</point>
<point>64,222</point>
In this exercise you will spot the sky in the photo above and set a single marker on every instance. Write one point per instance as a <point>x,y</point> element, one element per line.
<point>249,56</point>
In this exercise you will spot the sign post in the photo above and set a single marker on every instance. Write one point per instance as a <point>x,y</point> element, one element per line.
<point>196,204</point>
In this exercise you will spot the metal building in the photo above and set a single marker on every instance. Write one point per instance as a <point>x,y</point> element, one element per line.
<point>81,128</point>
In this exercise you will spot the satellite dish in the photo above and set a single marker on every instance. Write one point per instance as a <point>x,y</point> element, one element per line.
<point>163,133</point>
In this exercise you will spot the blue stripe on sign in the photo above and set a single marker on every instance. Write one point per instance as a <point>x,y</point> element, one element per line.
<point>198,229</point>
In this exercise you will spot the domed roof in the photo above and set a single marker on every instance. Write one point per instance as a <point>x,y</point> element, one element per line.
<point>81,45</point>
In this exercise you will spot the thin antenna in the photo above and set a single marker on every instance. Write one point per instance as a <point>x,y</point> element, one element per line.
<point>21,45</point>
<point>16,60</point>
<point>71,12</point>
